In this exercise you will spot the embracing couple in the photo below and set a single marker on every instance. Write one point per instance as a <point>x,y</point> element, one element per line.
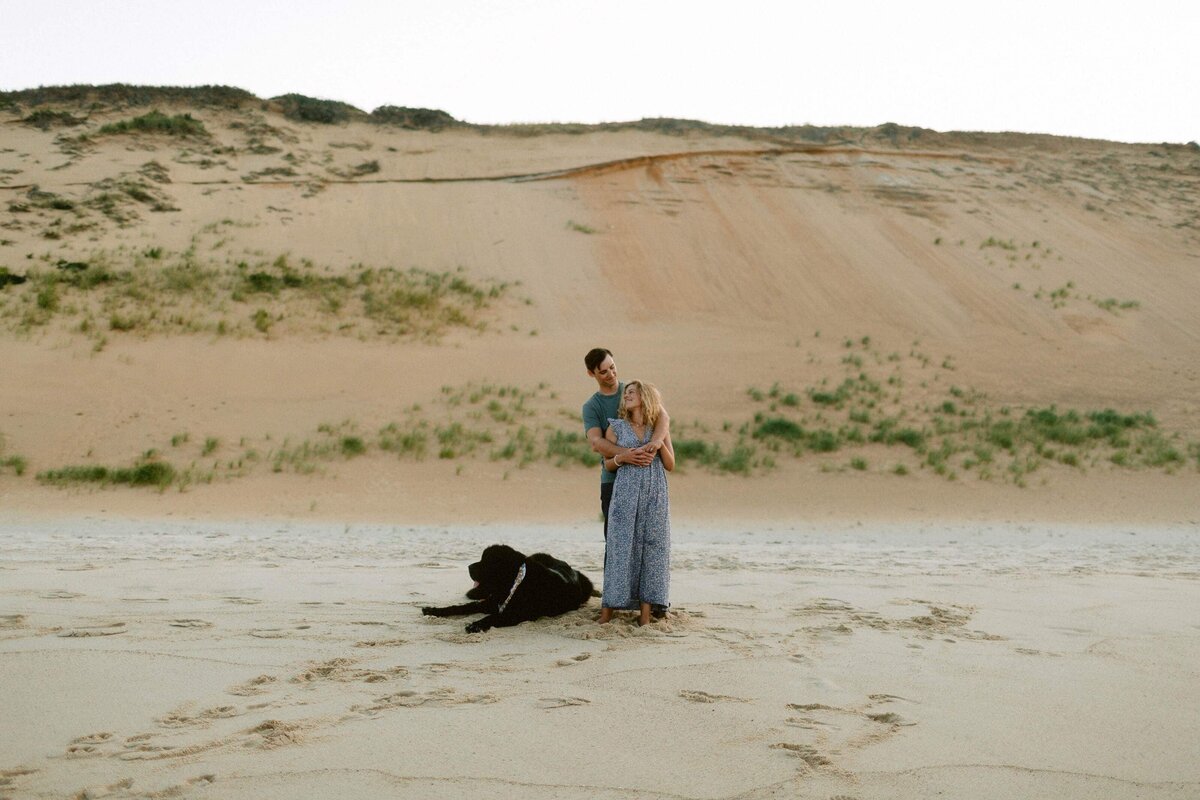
<point>627,425</point>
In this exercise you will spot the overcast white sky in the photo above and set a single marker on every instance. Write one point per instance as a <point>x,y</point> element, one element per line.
<point>1125,71</point>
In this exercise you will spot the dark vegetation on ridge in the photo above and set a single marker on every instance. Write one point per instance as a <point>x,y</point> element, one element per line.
<point>301,108</point>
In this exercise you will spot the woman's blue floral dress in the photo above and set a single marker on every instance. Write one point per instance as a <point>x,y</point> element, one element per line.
<point>637,561</point>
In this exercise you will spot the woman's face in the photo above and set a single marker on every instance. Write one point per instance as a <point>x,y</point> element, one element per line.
<point>633,398</point>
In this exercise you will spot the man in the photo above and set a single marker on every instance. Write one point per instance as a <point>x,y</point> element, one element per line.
<point>598,410</point>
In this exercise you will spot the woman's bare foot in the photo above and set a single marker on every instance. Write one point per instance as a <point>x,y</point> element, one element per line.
<point>605,616</point>
<point>644,616</point>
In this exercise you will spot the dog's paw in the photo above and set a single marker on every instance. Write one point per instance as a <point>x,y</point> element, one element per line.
<point>476,627</point>
<point>429,611</point>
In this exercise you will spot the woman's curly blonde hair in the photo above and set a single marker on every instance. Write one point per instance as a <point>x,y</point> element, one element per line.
<point>651,402</point>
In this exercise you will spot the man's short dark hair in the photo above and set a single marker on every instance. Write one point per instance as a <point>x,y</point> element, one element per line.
<point>595,357</point>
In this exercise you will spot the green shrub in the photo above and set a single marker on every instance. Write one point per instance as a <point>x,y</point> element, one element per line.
<point>412,441</point>
<point>739,460</point>
<point>697,450</point>
<point>570,447</point>
<point>824,441</point>
<point>311,109</point>
<point>428,119</point>
<point>779,427</point>
<point>16,463</point>
<point>262,320</point>
<point>157,122</point>
<point>147,473</point>
<point>151,473</point>
<point>45,119</point>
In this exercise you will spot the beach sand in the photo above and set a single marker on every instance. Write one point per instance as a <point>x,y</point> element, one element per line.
<point>283,659</point>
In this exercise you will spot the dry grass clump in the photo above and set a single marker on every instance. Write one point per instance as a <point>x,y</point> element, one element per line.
<point>14,462</point>
<point>119,199</point>
<point>153,292</point>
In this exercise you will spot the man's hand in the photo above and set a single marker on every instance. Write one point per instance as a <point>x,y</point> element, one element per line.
<point>638,457</point>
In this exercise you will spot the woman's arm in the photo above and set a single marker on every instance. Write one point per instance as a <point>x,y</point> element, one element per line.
<point>667,454</point>
<point>610,461</point>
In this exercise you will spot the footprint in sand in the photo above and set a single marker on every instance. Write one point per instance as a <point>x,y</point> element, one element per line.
<point>808,755</point>
<point>242,601</point>
<point>253,686</point>
<point>144,751</point>
<point>408,698</point>
<point>273,733</point>
<point>562,702</point>
<point>1029,651</point>
<point>60,595</point>
<point>568,662</point>
<point>697,696</point>
<point>106,791</point>
<point>12,621</point>
<point>8,777</point>
<point>270,633</point>
<point>835,730</point>
<point>89,745</point>
<point>190,623</point>
<point>103,629</point>
<point>182,719</point>
<point>381,643</point>
<point>343,670</point>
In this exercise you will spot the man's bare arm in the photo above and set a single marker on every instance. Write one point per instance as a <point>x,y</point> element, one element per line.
<point>662,429</point>
<point>608,449</point>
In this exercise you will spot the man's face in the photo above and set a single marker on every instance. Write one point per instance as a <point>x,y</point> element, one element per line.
<point>606,374</point>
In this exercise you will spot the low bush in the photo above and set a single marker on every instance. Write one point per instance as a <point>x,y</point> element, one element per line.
<point>157,122</point>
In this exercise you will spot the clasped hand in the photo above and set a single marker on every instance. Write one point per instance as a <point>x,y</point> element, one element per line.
<point>640,456</point>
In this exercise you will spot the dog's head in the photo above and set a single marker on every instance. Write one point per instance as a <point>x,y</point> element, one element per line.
<point>496,569</point>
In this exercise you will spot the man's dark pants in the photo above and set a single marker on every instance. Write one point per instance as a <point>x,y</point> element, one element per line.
<point>606,491</point>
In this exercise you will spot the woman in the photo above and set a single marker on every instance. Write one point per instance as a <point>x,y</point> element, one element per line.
<point>637,562</point>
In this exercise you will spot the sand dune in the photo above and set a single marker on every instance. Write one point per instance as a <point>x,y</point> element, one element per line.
<point>1030,272</point>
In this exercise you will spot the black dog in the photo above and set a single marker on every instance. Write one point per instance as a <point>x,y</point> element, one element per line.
<point>512,588</point>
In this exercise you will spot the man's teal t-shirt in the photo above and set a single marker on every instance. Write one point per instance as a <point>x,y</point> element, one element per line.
<point>597,411</point>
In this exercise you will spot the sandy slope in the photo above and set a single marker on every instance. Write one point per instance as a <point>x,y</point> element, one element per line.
<point>710,264</point>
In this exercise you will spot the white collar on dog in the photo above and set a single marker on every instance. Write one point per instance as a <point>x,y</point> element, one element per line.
<point>513,590</point>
